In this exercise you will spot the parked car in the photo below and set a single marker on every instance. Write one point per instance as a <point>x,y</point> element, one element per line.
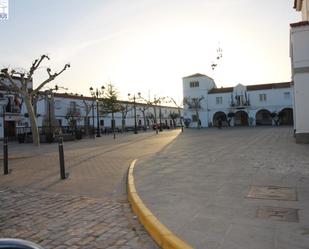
<point>17,244</point>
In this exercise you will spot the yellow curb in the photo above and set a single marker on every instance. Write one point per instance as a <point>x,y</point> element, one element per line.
<point>163,236</point>
<point>17,157</point>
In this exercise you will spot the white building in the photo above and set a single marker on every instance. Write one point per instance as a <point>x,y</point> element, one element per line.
<point>196,86</point>
<point>299,53</point>
<point>265,104</point>
<point>73,110</point>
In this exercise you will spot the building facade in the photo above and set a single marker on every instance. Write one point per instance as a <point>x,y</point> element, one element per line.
<point>55,110</point>
<point>265,104</point>
<point>299,53</point>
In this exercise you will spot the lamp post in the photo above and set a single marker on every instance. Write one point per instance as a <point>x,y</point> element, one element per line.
<point>134,106</point>
<point>160,116</point>
<point>92,106</point>
<point>155,114</point>
<point>49,111</point>
<point>96,94</point>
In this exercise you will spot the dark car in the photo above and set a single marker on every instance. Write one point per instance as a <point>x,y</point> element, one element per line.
<point>17,244</point>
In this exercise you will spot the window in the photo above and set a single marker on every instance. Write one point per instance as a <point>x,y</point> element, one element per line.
<point>262,97</point>
<point>219,100</point>
<point>194,84</point>
<point>286,95</point>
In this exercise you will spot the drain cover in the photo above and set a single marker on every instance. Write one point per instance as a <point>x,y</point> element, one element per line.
<point>272,193</point>
<point>278,213</point>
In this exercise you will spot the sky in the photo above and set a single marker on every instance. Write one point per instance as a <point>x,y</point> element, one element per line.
<point>147,46</point>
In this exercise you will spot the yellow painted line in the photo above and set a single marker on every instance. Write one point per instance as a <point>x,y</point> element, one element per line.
<point>17,157</point>
<point>163,236</point>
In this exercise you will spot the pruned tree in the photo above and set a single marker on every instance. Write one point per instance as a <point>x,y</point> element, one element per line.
<point>195,105</point>
<point>24,87</point>
<point>110,103</point>
<point>174,116</point>
<point>73,117</point>
<point>143,109</point>
<point>124,109</point>
<point>179,111</point>
<point>87,107</point>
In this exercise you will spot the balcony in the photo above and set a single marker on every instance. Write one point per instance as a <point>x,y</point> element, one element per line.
<point>240,101</point>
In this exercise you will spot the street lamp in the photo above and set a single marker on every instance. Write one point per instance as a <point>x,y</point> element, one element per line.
<point>49,96</point>
<point>96,94</point>
<point>160,115</point>
<point>134,106</point>
<point>92,107</point>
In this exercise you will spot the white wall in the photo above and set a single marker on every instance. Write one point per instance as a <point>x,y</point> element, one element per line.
<point>275,102</point>
<point>301,89</point>
<point>300,68</point>
<point>205,83</point>
<point>275,99</point>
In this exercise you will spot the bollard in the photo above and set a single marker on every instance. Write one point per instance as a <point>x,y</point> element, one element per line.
<point>61,159</point>
<point>5,156</point>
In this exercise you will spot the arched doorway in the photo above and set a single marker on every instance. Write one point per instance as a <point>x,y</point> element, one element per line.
<point>217,116</point>
<point>241,118</point>
<point>263,117</point>
<point>286,116</point>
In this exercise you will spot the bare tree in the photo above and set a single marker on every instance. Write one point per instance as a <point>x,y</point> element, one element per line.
<point>195,105</point>
<point>23,87</point>
<point>87,107</point>
<point>179,112</point>
<point>143,109</point>
<point>174,116</point>
<point>124,109</point>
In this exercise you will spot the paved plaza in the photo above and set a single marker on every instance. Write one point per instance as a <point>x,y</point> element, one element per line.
<point>235,188</point>
<point>87,210</point>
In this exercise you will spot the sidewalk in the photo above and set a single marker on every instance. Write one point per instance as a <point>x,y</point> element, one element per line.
<point>240,188</point>
<point>87,210</point>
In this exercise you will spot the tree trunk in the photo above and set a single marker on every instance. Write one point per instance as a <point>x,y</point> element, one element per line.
<point>198,120</point>
<point>123,124</point>
<point>180,120</point>
<point>155,119</point>
<point>32,117</point>
<point>144,117</point>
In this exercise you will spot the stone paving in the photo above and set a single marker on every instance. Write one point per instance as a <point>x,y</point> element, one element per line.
<point>87,210</point>
<point>66,221</point>
<point>235,188</point>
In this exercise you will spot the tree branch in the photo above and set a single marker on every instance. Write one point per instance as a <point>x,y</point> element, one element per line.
<point>50,78</point>
<point>36,64</point>
<point>12,82</point>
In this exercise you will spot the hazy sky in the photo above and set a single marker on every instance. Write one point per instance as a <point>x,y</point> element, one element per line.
<point>149,45</point>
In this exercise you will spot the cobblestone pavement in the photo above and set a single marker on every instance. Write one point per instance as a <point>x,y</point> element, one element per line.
<point>67,221</point>
<point>235,188</point>
<point>89,209</point>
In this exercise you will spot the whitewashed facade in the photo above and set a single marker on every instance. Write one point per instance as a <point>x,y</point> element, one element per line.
<point>299,53</point>
<point>264,104</point>
<point>196,86</point>
<point>56,110</point>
